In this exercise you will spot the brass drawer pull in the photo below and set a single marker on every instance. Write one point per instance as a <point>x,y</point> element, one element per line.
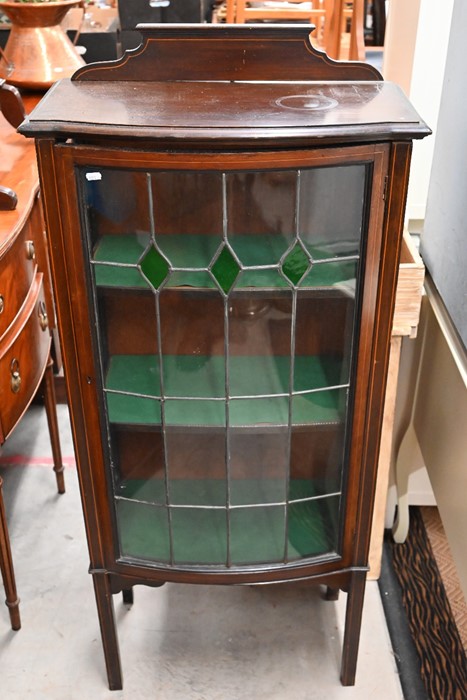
<point>15,376</point>
<point>30,250</point>
<point>43,320</point>
<point>2,304</point>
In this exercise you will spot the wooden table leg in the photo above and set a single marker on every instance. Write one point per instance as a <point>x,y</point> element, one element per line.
<point>51,411</point>
<point>6,566</point>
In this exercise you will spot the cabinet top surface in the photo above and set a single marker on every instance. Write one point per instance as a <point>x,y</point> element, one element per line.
<point>229,84</point>
<point>199,109</point>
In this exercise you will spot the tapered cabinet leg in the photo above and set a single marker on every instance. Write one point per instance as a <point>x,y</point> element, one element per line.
<point>331,593</point>
<point>105,609</point>
<point>353,620</point>
<point>51,411</point>
<point>128,596</point>
<point>6,566</point>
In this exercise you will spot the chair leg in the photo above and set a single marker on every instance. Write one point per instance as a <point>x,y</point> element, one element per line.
<point>6,566</point>
<point>51,411</point>
<point>357,39</point>
<point>334,37</point>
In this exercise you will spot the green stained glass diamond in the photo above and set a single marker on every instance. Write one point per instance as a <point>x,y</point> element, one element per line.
<point>225,269</point>
<point>295,264</point>
<point>154,267</point>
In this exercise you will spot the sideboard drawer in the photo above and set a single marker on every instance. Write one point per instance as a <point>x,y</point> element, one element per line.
<point>24,353</point>
<point>17,269</point>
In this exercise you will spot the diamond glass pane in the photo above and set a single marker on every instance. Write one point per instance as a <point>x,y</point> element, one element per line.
<point>225,269</point>
<point>154,267</point>
<point>295,264</point>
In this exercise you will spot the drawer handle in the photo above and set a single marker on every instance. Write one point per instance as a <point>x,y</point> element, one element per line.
<point>43,320</point>
<point>30,250</point>
<point>2,304</point>
<point>15,376</point>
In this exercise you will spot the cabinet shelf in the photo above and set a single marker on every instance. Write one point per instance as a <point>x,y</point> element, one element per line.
<point>213,492</point>
<point>116,259</point>
<point>194,388</point>
<point>215,535</point>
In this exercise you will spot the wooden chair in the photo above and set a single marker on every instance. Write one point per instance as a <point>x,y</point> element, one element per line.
<point>347,12</point>
<point>317,12</point>
<point>331,18</point>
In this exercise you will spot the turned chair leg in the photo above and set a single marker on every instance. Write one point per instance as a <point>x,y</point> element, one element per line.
<point>6,566</point>
<point>51,411</point>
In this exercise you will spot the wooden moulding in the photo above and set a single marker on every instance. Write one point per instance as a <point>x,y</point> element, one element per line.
<point>409,290</point>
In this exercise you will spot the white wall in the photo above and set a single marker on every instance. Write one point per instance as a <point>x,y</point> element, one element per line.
<point>444,240</point>
<point>415,56</point>
<point>439,401</point>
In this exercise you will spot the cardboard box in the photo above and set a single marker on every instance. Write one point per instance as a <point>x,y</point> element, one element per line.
<point>409,290</point>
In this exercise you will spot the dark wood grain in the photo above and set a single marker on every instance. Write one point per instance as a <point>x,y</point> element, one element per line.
<point>219,52</point>
<point>235,112</point>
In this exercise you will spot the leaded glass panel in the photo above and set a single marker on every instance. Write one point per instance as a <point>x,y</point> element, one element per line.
<point>226,305</point>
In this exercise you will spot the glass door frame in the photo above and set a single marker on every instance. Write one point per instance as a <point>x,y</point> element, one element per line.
<point>70,157</point>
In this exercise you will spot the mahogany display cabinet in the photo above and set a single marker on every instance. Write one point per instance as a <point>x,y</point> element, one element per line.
<point>225,209</point>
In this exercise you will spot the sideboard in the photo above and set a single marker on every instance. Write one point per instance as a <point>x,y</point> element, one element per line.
<point>27,316</point>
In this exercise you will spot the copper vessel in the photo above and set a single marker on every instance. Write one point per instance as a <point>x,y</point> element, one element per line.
<point>38,52</point>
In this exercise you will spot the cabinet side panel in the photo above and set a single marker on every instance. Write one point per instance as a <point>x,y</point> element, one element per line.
<point>366,417</point>
<point>398,173</point>
<point>61,231</point>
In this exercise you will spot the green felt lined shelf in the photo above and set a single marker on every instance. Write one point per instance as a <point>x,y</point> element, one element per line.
<point>213,492</point>
<point>197,381</point>
<point>117,259</point>
<point>256,535</point>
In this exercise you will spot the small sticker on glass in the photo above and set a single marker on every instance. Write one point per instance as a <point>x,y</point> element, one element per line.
<point>93,176</point>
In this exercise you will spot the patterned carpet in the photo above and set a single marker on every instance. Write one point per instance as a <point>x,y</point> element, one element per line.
<point>447,569</point>
<point>435,611</point>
